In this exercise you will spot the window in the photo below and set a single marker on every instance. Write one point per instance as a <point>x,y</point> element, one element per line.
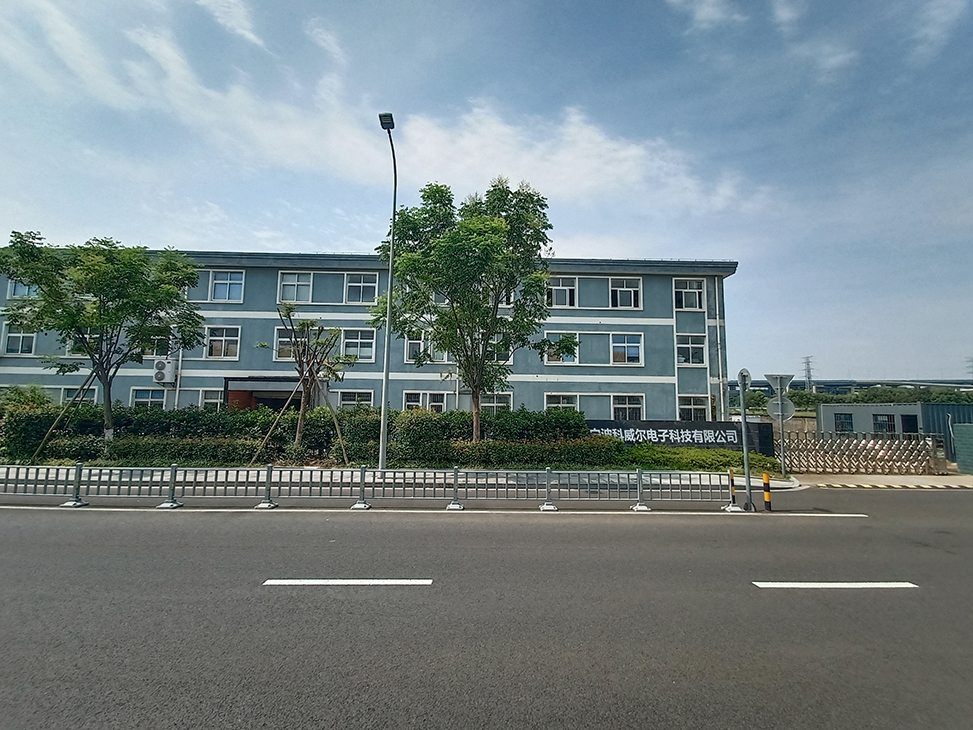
<point>414,401</point>
<point>626,349</point>
<point>211,400</point>
<point>227,286</point>
<point>91,335</point>
<point>283,344</point>
<point>561,291</point>
<point>360,344</point>
<point>67,395</point>
<point>354,398</point>
<point>361,288</point>
<point>552,358</point>
<point>844,423</point>
<point>158,348</point>
<point>222,342</point>
<point>21,291</point>
<point>627,407</point>
<point>416,343</point>
<point>567,402</point>
<point>625,293</point>
<point>295,287</point>
<point>495,402</point>
<point>496,352</point>
<point>18,342</point>
<point>883,423</point>
<point>910,423</point>
<point>689,293</point>
<point>148,398</point>
<point>690,349</point>
<point>693,408</point>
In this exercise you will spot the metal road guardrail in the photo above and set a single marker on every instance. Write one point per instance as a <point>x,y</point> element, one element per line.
<point>270,483</point>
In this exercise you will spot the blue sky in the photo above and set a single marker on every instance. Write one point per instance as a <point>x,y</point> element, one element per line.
<point>825,145</point>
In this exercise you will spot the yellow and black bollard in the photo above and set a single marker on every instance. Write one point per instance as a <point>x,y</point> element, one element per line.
<point>767,492</point>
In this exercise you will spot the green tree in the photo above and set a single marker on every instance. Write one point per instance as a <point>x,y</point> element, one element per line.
<point>23,399</point>
<point>106,302</point>
<point>472,281</point>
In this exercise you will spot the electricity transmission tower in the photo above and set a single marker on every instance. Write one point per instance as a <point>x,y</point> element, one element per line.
<point>808,382</point>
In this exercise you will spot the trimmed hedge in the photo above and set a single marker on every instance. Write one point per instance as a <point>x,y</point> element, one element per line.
<point>684,458</point>
<point>590,452</point>
<point>157,450</point>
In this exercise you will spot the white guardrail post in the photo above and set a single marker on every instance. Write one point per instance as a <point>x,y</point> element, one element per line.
<point>732,506</point>
<point>548,505</point>
<point>171,502</point>
<point>76,500</point>
<point>267,502</point>
<point>455,504</point>
<point>361,503</point>
<point>638,506</point>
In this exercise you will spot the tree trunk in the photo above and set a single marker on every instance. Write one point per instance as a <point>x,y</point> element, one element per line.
<point>109,414</point>
<point>302,409</point>
<point>476,416</point>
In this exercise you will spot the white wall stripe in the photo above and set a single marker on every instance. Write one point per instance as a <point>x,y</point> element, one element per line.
<point>835,585</point>
<point>349,582</point>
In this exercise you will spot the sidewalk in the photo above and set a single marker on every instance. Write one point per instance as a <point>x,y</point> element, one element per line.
<point>888,481</point>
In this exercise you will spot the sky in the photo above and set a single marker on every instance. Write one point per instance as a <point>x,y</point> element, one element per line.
<point>825,145</point>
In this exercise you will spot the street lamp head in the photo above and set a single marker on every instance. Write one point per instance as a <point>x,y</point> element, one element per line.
<point>386,120</point>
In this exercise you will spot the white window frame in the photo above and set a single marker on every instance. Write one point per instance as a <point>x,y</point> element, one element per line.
<point>278,331</point>
<point>562,406</point>
<point>618,286</point>
<point>362,284</point>
<point>28,290</point>
<point>359,402</point>
<point>641,406</point>
<point>225,339</point>
<point>559,361</point>
<point>10,331</point>
<point>687,343</point>
<point>850,423</point>
<point>71,352</point>
<point>65,393</point>
<point>679,298</point>
<point>437,357</point>
<point>228,284</point>
<point>626,345</point>
<point>693,403</point>
<point>153,353</point>
<point>297,284</point>
<point>494,407</point>
<point>345,340</point>
<point>429,400</point>
<point>491,351</point>
<point>558,284</point>
<point>204,401</point>
<point>152,402</point>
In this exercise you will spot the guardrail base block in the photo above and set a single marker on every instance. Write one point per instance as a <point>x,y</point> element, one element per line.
<point>361,504</point>
<point>732,508</point>
<point>641,507</point>
<point>266,504</point>
<point>74,503</point>
<point>169,504</point>
<point>455,506</point>
<point>548,507</point>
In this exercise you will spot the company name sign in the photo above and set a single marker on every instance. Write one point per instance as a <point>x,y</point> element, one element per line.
<point>701,434</point>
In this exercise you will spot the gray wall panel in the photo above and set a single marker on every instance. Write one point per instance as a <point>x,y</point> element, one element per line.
<point>328,289</point>
<point>657,296</point>
<point>593,292</point>
<point>690,323</point>
<point>693,381</point>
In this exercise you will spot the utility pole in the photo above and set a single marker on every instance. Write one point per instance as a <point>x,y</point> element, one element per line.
<point>808,382</point>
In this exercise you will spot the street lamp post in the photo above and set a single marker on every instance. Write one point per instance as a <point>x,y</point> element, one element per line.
<point>388,124</point>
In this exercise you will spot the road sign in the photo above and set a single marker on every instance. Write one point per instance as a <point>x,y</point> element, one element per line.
<point>781,408</point>
<point>779,382</point>
<point>743,379</point>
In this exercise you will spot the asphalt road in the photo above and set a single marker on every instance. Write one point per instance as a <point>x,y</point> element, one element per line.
<point>148,619</point>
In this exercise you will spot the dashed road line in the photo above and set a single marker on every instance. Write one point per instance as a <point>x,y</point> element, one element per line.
<point>834,584</point>
<point>893,486</point>
<point>348,582</point>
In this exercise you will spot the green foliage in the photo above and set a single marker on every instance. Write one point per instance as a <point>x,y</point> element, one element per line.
<point>18,398</point>
<point>203,451</point>
<point>473,281</point>
<point>586,453</point>
<point>361,428</point>
<point>680,458</point>
<point>107,302</point>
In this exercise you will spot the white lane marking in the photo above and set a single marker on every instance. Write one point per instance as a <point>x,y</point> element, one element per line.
<point>349,582</point>
<point>874,584</point>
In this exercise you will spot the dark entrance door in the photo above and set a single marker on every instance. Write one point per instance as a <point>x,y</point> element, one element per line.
<point>910,423</point>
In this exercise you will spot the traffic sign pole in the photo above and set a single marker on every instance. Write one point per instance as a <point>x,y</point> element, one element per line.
<point>743,380</point>
<point>784,409</point>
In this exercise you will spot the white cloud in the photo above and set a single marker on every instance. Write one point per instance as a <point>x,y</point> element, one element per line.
<point>707,14</point>
<point>936,22</point>
<point>324,37</point>
<point>233,15</point>
<point>828,57</point>
<point>787,13</point>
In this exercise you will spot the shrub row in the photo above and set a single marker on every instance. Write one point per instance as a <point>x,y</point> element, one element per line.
<point>157,450</point>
